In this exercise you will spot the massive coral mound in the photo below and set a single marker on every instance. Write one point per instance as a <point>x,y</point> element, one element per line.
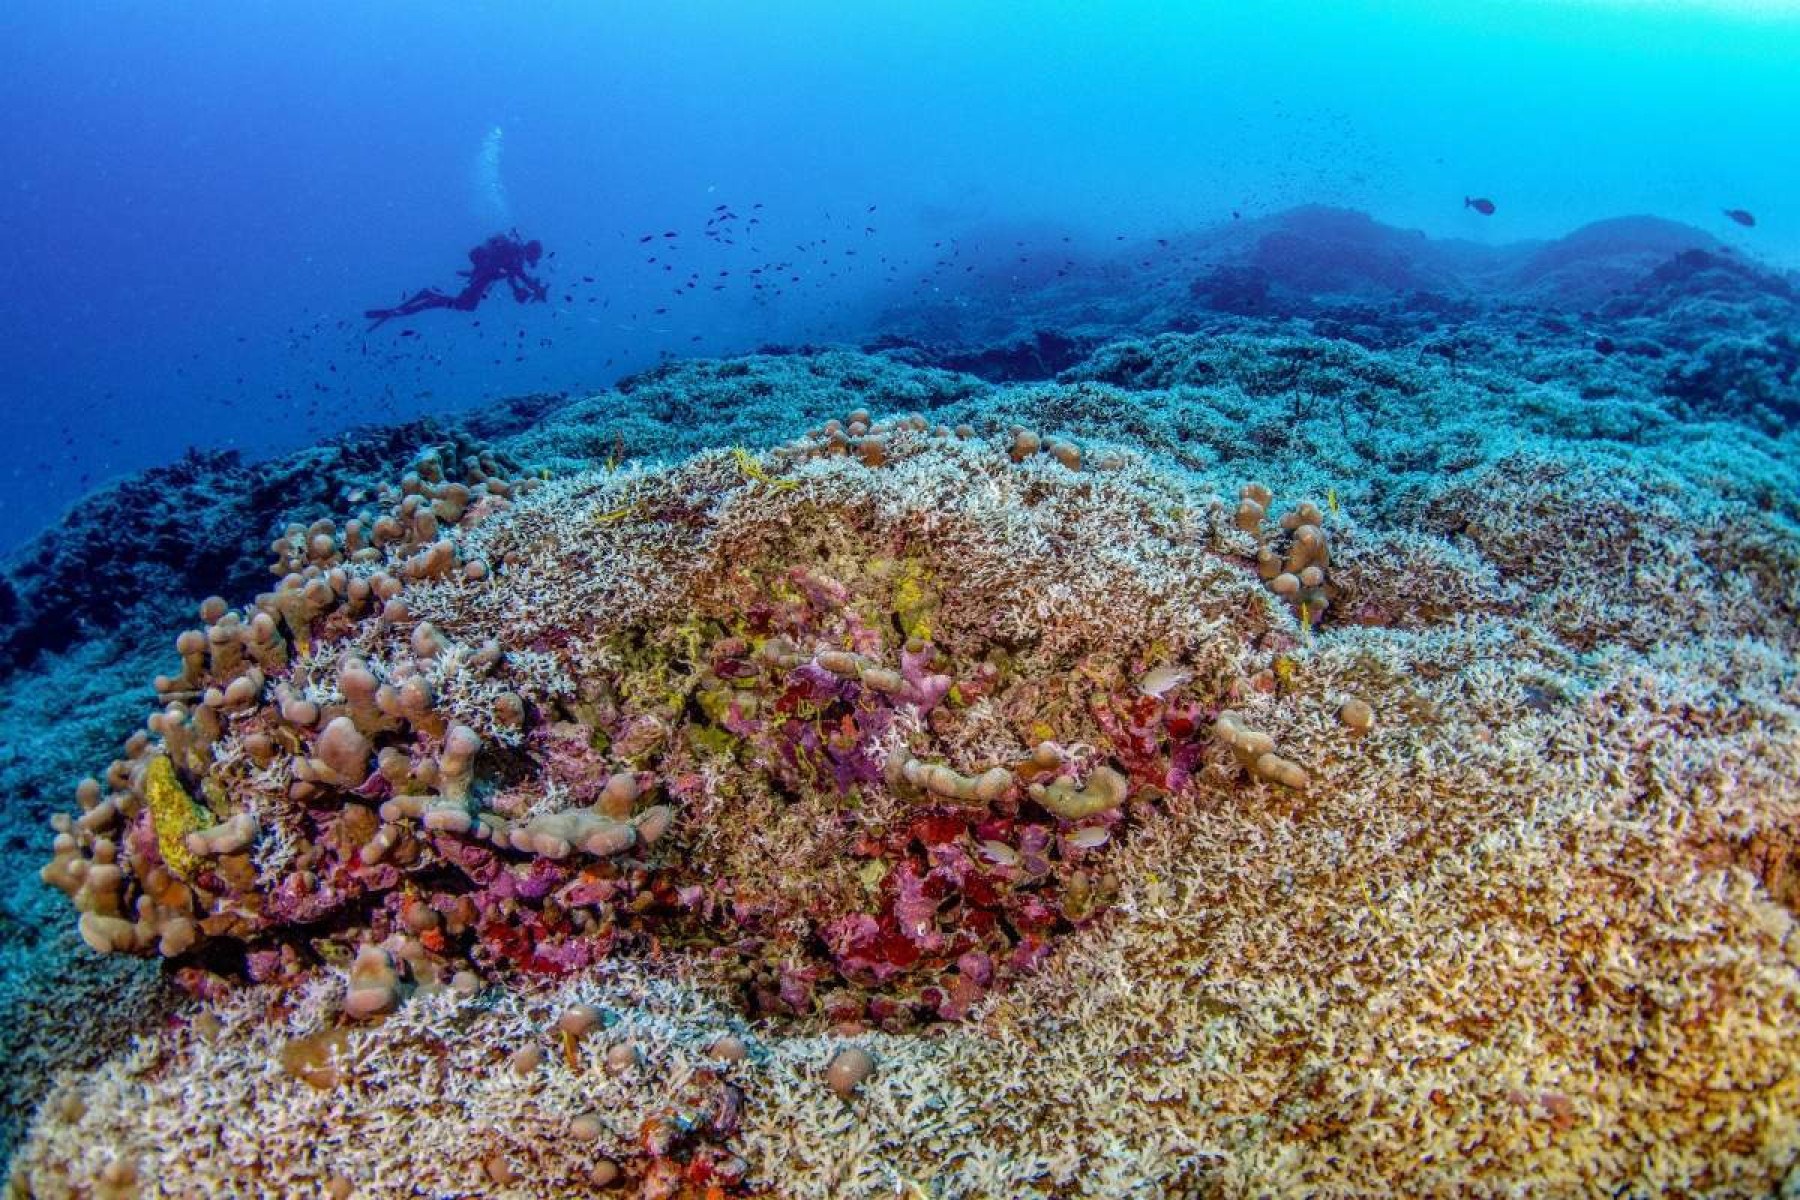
<point>1494,946</point>
<point>986,812</point>
<point>858,737</point>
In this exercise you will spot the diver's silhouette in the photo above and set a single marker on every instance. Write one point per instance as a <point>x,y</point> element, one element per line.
<point>502,256</point>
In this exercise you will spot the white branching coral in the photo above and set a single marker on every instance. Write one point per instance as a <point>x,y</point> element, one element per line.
<point>1527,925</point>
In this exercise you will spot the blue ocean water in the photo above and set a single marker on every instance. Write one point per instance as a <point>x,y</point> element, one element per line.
<point>201,199</point>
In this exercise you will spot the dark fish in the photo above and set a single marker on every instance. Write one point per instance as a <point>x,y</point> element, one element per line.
<point>1742,217</point>
<point>1480,204</point>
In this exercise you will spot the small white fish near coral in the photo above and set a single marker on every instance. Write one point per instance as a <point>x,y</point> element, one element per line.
<point>1160,681</point>
<point>1000,852</point>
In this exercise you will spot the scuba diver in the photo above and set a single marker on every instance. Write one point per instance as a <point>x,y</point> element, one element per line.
<point>502,256</point>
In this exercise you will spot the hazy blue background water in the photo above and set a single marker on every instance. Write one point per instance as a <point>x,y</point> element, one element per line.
<point>198,199</point>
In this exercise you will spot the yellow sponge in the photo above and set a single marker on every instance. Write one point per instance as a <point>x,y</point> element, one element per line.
<point>174,815</point>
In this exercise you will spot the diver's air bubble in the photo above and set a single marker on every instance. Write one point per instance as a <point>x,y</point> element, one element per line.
<point>490,189</point>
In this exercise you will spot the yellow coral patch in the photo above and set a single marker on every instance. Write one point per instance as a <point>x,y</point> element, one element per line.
<point>871,874</point>
<point>1285,668</point>
<point>914,602</point>
<point>750,468</point>
<point>173,815</point>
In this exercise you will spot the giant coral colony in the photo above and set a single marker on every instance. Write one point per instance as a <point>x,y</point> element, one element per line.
<point>825,752</point>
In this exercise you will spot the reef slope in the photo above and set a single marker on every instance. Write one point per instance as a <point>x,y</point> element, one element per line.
<point>1526,924</point>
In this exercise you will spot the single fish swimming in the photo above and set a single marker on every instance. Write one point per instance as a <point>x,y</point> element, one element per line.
<point>1480,204</point>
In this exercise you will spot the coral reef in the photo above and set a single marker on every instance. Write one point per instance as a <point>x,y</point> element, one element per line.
<point>857,776</point>
<point>1246,764</point>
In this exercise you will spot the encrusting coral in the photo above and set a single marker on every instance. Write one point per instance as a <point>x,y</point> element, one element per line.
<point>810,823</point>
<point>174,817</point>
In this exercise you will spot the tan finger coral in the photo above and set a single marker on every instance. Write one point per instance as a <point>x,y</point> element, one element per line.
<point>1255,751</point>
<point>1105,789</point>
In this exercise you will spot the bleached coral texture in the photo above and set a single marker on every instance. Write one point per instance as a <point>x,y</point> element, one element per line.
<point>1527,928</point>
